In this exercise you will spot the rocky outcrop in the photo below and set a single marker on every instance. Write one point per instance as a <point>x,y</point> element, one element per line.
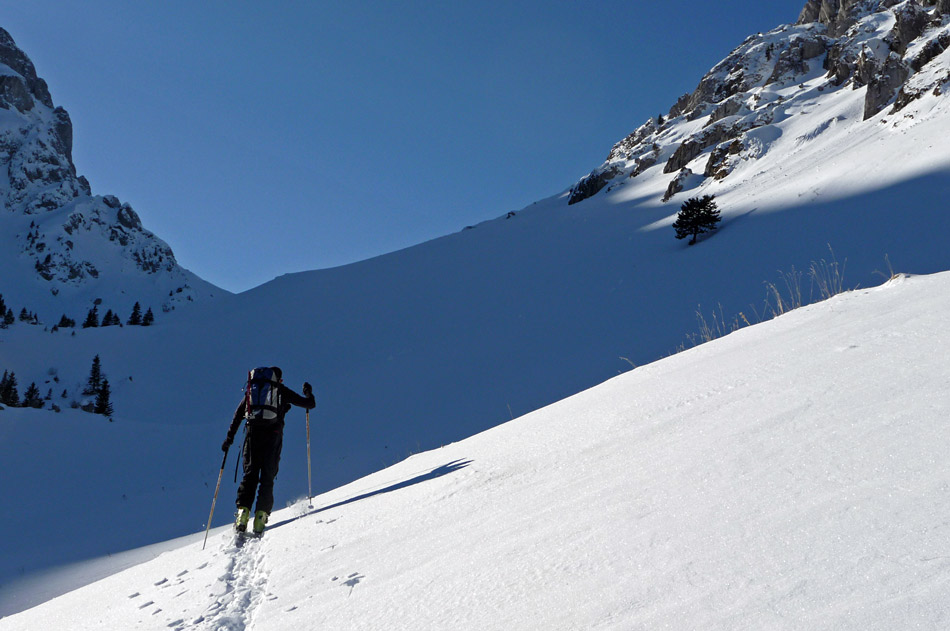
<point>694,146</point>
<point>592,184</point>
<point>626,148</point>
<point>677,185</point>
<point>730,107</point>
<point>885,84</point>
<point>791,61</point>
<point>16,60</point>
<point>646,161</point>
<point>721,160</point>
<point>912,19</point>
<point>74,237</point>
<point>862,44</point>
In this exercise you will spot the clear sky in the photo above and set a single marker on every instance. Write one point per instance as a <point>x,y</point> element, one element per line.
<point>264,138</point>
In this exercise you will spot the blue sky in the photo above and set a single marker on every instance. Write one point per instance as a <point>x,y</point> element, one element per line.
<point>264,138</point>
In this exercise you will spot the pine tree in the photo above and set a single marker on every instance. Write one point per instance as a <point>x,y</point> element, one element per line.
<point>148,318</point>
<point>8,393</point>
<point>92,318</point>
<point>136,318</point>
<point>697,216</point>
<point>107,318</point>
<point>32,397</point>
<point>25,316</point>
<point>94,383</point>
<point>103,405</point>
<point>3,305</point>
<point>8,319</point>
<point>66,323</point>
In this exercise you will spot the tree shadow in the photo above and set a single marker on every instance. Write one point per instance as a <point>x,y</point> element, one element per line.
<point>438,472</point>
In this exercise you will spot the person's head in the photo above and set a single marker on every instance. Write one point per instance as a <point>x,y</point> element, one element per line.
<point>277,373</point>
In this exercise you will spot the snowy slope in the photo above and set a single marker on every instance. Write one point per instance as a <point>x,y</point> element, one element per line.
<point>430,345</point>
<point>790,475</point>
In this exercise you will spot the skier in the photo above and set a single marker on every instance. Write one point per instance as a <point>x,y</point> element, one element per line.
<point>265,403</point>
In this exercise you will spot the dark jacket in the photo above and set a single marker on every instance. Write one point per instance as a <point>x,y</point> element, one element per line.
<point>287,398</point>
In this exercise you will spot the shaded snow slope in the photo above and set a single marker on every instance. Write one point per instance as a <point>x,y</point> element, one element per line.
<point>790,475</point>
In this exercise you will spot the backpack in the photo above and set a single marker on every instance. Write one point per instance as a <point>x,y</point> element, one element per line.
<point>261,397</point>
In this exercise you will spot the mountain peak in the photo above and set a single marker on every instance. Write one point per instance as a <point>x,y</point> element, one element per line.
<point>20,89</point>
<point>58,239</point>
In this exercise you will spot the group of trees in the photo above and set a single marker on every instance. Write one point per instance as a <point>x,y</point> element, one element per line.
<point>136,318</point>
<point>109,319</point>
<point>97,387</point>
<point>112,319</point>
<point>9,395</point>
<point>6,314</point>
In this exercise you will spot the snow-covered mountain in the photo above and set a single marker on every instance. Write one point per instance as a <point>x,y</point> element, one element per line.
<point>792,475</point>
<point>886,53</point>
<point>430,345</point>
<point>61,247</point>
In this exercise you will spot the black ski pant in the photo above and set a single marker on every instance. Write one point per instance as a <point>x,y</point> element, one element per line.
<point>261,460</point>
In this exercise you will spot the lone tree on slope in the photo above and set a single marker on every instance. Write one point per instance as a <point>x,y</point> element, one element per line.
<point>103,405</point>
<point>697,216</point>
<point>94,383</point>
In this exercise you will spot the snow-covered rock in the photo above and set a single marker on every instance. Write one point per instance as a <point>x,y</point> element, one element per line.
<point>893,51</point>
<point>62,247</point>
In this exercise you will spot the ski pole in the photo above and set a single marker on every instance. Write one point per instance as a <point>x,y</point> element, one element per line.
<point>215,499</point>
<point>309,485</point>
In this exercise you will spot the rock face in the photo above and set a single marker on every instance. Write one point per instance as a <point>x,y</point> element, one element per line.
<point>886,47</point>
<point>74,238</point>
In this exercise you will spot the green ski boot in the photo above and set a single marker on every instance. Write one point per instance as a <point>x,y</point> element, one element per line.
<point>260,520</point>
<point>243,516</point>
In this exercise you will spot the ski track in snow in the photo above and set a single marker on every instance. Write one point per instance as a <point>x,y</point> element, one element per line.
<point>239,591</point>
<point>235,594</point>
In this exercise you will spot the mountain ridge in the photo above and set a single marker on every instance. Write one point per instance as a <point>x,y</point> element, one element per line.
<point>881,46</point>
<point>62,247</point>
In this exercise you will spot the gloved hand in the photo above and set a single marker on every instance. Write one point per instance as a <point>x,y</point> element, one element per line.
<point>307,389</point>
<point>226,444</point>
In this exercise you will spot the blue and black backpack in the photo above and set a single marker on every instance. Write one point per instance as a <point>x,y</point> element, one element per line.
<point>261,396</point>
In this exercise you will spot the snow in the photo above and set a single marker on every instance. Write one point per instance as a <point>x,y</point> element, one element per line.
<point>789,475</point>
<point>417,350</point>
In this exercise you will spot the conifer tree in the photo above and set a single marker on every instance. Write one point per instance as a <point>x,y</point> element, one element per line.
<point>107,318</point>
<point>8,393</point>
<point>3,305</point>
<point>136,318</point>
<point>8,319</point>
<point>66,323</point>
<point>25,315</point>
<point>94,383</point>
<point>92,318</point>
<point>697,216</point>
<point>148,318</point>
<point>103,405</point>
<point>32,397</point>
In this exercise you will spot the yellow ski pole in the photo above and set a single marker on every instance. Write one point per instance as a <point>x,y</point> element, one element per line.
<point>216,487</point>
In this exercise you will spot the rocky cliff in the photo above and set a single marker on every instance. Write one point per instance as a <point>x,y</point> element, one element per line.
<point>891,50</point>
<point>56,237</point>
